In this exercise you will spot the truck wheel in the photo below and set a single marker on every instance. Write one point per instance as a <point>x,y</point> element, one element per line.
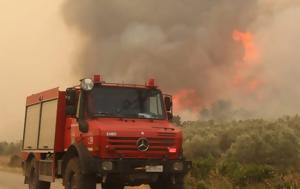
<point>112,185</point>
<point>74,179</point>
<point>34,182</point>
<point>166,183</point>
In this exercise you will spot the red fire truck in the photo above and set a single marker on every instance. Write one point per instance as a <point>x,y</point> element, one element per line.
<point>110,134</point>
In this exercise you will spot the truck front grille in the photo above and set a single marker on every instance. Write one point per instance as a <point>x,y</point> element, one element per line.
<point>164,134</point>
<point>159,144</point>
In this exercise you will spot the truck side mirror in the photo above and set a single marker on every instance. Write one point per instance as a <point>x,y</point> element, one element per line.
<point>170,116</point>
<point>71,99</point>
<point>83,126</point>
<point>168,103</point>
<point>70,110</point>
<point>71,96</point>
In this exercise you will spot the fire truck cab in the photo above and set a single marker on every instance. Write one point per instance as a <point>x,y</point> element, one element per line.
<point>113,134</point>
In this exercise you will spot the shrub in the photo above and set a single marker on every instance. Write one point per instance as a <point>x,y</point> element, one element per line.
<point>202,146</point>
<point>9,148</point>
<point>202,168</point>
<point>249,149</point>
<point>201,185</point>
<point>243,175</point>
<point>273,146</point>
<point>192,183</point>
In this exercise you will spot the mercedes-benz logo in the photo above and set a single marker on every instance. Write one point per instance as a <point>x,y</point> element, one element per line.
<point>142,144</point>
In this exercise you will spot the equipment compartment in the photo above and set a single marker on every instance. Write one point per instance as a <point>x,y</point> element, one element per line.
<point>41,121</point>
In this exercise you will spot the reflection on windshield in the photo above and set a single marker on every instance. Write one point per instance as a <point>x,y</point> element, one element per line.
<point>125,102</point>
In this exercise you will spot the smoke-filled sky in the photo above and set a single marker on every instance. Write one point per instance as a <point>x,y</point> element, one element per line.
<point>244,53</point>
<point>203,51</point>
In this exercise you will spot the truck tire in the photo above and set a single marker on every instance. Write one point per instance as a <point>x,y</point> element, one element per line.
<point>166,183</point>
<point>34,182</point>
<point>74,179</point>
<point>112,185</point>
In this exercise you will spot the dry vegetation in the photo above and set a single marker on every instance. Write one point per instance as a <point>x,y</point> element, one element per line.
<point>243,154</point>
<point>9,157</point>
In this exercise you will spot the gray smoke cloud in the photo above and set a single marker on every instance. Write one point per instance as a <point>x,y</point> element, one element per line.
<point>185,45</point>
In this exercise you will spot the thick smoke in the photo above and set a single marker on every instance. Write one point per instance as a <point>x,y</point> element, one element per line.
<point>186,45</point>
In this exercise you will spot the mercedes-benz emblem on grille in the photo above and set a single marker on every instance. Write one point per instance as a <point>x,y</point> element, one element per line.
<point>142,144</point>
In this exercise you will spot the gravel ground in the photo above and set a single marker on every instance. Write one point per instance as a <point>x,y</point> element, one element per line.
<point>9,180</point>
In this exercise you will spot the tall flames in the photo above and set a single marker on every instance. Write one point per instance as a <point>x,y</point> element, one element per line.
<point>251,55</point>
<point>187,99</point>
<point>245,78</point>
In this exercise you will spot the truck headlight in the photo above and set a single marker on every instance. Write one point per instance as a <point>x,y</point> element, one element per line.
<point>178,166</point>
<point>107,165</point>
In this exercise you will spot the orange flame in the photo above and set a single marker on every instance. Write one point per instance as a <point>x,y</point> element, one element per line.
<point>187,99</point>
<point>246,79</point>
<point>251,53</point>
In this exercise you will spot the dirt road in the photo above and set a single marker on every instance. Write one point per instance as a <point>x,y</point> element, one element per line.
<point>10,181</point>
<point>15,181</point>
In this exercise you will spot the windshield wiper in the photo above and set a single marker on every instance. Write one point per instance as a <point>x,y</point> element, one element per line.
<point>140,115</point>
<point>102,114</point>
<point>145,115</point>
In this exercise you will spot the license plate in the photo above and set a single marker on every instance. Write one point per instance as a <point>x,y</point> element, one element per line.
<point>154,168</point>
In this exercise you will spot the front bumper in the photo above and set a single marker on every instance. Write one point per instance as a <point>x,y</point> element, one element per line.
<point>129,166</point>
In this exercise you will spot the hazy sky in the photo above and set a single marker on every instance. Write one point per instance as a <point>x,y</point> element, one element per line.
<point>35,54</point>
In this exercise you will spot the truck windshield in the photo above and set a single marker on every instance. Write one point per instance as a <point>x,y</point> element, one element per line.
<point>125,102</point>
